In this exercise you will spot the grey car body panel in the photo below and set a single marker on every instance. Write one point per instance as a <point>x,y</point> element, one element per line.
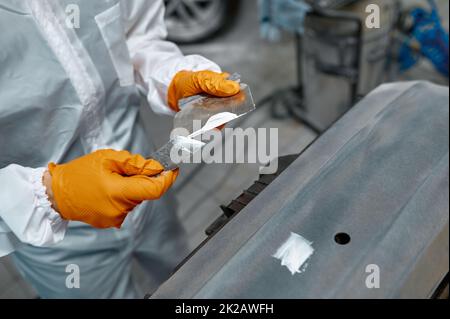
<point>380,174</point>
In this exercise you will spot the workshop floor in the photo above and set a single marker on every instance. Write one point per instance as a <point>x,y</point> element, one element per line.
<point>200,190</point>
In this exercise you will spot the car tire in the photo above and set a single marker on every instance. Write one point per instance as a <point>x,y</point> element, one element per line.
<point>190,21</point>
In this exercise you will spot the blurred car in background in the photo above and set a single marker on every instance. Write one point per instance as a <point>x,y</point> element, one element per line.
<point>190,21</point>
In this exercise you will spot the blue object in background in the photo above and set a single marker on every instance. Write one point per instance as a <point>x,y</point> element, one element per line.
<point>277,15</point>
<point>427,31</point>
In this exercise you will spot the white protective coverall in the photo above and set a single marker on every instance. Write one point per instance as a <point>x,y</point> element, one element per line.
<point>65,91</point>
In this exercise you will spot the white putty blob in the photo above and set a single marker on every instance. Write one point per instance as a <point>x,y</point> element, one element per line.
<point>215,121</point>
<point>188,144</point>
<point>294,253</point>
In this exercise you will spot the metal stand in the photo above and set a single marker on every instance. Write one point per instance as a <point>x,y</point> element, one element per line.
<point>290,102</point>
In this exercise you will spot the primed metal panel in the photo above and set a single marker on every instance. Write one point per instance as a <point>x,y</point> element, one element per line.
<point>380,174</point>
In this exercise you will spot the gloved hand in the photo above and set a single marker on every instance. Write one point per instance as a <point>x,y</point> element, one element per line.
<point>187,83</point>
<point>101,188</point>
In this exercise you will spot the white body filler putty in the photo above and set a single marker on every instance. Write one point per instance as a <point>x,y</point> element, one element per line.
<point>294,253</point>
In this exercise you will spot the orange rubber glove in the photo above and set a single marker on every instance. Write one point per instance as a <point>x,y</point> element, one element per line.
<point>187,83</point>
<point>101,188</point>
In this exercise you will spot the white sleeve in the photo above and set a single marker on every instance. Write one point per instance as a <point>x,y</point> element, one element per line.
<point>155,59</point>
<point>26,215</point>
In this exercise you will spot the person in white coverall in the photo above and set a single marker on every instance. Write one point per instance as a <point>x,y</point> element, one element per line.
<point>78,192</point>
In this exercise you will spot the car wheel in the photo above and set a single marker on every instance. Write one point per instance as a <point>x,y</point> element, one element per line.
<point>194,20</point>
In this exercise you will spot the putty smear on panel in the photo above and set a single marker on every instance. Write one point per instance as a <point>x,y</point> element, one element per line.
<point>294,253</point>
